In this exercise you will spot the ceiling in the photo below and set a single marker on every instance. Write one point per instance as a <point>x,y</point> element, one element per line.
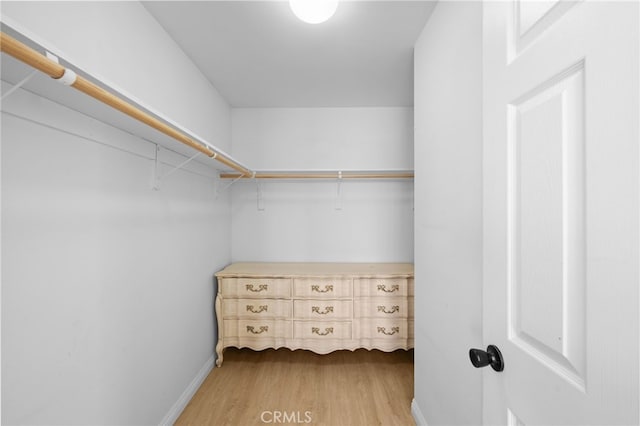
<point>258,54</point>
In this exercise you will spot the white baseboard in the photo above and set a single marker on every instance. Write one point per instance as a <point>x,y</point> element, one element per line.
<point>181,403</point>
<point>417,414</point>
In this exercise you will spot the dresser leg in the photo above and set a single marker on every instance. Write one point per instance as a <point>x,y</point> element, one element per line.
<point>220,344</point>
<point>219,352</point>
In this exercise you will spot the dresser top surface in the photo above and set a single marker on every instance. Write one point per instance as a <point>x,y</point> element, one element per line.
<point>270,269</point>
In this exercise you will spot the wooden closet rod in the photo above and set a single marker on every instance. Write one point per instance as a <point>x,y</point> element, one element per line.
<point>321,175</point>
<point>29,56</point>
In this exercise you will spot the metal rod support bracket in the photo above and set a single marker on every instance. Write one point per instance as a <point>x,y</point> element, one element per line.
<point>181,165</point>
<point>259,197</point>
<point>338,204</point>
<point>155,179</point>
<point>19,84</point>
<point>220,191</point>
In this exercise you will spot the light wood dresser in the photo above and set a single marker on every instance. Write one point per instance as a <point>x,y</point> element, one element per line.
<point>320,307</point>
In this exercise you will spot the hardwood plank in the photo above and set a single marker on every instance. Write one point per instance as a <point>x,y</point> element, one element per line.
<point>301,387</point>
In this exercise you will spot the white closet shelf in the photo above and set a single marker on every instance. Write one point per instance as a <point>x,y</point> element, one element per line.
<point>324,174</point>
<point>98,100</point>
<point>104,103</point>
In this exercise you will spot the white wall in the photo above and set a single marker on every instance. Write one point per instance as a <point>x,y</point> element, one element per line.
<point>448,214</point>
<point>300,221</point>
<point>107,285</point>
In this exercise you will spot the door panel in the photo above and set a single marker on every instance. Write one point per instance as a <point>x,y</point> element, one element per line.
<point>546,236</point>
<point>561,189</point>
<point>528,20</point>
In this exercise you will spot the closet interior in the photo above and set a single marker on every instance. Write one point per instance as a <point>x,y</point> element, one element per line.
<point>131,182</point>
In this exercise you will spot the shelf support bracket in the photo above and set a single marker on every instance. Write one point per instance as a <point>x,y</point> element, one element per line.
<point>155,182</point>
<point>157,177</point>
<point>338,204</point>
<point>220,191</point>
<point>19,85</point>
<point>181,165</point>
<point>259,197</point>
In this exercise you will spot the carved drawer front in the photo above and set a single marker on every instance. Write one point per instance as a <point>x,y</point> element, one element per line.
<point>256,287</point>
<point>257,328</point>
<point>322,287</point>
<point>382,307</point>
<point>322,309</point>
<point>319,330</point>
<point>380,287</point>
<point>383,329</point>
<point>256,308</point>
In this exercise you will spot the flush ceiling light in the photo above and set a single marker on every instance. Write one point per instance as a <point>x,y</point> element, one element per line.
<point>313,11</point>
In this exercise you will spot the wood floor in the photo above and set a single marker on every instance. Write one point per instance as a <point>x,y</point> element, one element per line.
<point>299,387</point>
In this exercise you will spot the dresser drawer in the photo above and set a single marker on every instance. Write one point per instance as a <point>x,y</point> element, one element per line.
<point>256,287</point>
<point>382,307</point>
<point>322,309</point>
<point>320,288</point>
<point>257,328</point>
<point>381,287</point>
<point>319,330</point>
<point>382,329</point>
<point>256,308</point>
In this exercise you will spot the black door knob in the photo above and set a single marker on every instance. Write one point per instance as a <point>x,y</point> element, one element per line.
<point>491,356</point>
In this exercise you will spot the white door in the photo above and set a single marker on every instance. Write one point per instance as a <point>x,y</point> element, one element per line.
<point>561,214</point>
